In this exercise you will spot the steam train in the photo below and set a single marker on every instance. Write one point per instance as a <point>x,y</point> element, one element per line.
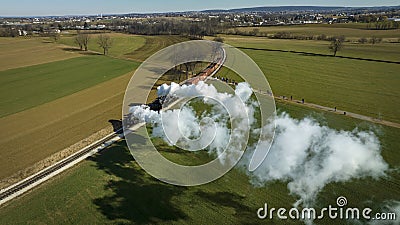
<point>156,105</point>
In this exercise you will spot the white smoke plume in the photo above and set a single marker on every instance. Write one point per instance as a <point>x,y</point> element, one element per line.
<point>308,156</point>
<point>304,153</point>
<point>212,130</point>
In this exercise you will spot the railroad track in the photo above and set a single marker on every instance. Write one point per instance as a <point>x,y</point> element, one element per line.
<point>18,188</point>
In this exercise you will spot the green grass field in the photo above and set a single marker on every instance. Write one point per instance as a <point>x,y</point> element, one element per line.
<point>381,51</point>
<point>352,30</point>
<point>152,45</point>
<point>32,135</point>
<point>22,52</point>
<point>364,87</point>
<point>110,188</point>
<point>133,47</point>
<point>122,43</point>
<point>26,87</point>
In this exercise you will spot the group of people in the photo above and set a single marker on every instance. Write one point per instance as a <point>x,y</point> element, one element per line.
<point>226,80</point>
<point>291,98</point>
<point>302,101</point>
<point>231,81</point>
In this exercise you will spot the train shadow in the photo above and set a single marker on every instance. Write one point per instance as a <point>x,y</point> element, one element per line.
<point>243,213</point>
<point>116,124</point>
<point>135,196</point>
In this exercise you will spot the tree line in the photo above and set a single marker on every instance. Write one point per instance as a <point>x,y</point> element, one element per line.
<point>383,25</point>
<point>189,28</point>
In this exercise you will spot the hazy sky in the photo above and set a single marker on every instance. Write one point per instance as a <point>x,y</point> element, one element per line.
<point>76,7</point>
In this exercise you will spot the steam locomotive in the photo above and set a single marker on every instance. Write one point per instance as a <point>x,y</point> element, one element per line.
<point>156,105</point>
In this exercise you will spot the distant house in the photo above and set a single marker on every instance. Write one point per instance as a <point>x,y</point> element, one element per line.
<point>54,31</point>
<point>22,32</point>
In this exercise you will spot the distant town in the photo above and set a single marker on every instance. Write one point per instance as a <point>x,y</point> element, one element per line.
<point>200,23</point>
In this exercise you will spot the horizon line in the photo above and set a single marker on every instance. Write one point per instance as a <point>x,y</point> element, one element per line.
<point>186,11</point>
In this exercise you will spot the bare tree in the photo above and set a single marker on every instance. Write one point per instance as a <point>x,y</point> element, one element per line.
<point>189,68</point>
<point>216,47</point>
<point>218,39</point>
<point>79,41</point>
<point>254,32</point>
<point>105,42</point>
<point>85,40</point>
<point>82,39</point>
<point>375,40</point>
<point>363,40</point>
<point>337,44</point>
<point>55,36</point>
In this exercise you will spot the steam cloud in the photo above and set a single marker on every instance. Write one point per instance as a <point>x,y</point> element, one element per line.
<point>210,131</point>
<point>308,156</point>
<point>304,153</point>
